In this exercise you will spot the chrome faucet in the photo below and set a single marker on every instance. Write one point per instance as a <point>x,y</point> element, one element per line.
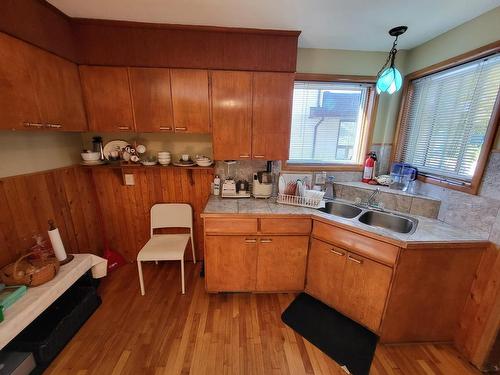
<point>329,188</point>
<point>371,202</point>
<point>371,199</point>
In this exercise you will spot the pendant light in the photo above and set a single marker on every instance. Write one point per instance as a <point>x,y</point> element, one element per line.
<point>389,78</point>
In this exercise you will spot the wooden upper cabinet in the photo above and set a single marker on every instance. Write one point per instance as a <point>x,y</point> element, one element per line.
<point>107,98</point>
<point>231,114</point>
<point>152,99</point>
<point>17,98</point>
<point>272,108</point>
<point>190,100</point>
<point>281,263</point>
<point>58,92</point>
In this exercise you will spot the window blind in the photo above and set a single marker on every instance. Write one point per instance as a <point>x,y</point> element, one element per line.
<point>447,117</point>
<point>327,122</point>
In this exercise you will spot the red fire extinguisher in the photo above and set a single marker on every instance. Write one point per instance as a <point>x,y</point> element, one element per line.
<point>369,167</point>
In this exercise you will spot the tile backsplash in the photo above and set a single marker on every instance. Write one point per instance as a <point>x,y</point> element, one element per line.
<point>481,212</point>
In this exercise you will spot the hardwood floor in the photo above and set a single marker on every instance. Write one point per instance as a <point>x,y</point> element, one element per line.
<point>165,332</point>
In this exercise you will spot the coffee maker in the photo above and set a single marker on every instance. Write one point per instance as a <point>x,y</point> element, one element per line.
<point>262,184</point>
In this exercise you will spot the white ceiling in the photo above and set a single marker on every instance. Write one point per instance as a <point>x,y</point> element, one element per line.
<point>341,24</point>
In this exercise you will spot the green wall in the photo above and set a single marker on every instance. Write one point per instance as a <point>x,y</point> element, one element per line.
<point>468,36</point>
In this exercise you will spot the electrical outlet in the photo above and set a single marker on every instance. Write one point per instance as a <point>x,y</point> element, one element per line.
<point>129,179</point>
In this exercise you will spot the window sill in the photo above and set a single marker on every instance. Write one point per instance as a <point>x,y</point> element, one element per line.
<point>466,188</point>
<point>322,167</point>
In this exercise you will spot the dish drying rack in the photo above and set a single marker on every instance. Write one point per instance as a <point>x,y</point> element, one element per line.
<point>290,193</point>
<point>313,201</point>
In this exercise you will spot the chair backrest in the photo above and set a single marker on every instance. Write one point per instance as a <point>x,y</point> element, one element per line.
<point>171,215</point>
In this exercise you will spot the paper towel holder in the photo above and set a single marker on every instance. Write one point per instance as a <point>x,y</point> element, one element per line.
<point>69,257</point>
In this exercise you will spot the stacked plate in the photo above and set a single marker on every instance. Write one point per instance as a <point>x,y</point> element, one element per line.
<point>203,161</point>
<point>164,157</point>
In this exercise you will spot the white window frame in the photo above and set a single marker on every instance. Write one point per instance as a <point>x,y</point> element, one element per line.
<point>367,122</point>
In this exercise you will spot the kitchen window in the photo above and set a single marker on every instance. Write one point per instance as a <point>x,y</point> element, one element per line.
<point>331,118</point>
<point>448,122</point>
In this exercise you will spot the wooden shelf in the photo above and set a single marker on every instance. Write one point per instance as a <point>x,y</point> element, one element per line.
<point>140,166</point>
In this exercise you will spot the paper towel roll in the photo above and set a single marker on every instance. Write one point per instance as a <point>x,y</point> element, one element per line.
<point>57,244</point>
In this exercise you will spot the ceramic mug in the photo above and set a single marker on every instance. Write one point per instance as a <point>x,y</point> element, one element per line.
<point>185,157</point>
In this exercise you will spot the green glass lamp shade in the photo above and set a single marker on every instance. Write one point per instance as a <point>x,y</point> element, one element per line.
<point>389,81</point>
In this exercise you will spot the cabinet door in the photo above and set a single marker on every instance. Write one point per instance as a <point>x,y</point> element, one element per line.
<point>151,99</point>
<point>58,92</point>
<point>17,97</point>
<point>325,272</point>
<point>107,98</point>
<point>190,100</point>
<point>281,263</point>
<point>230,263</point>
<point>365,289</point>
<point>232,114</point>
<point>272,106</point>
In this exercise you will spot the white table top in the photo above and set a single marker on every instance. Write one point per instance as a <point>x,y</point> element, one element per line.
<point>37,299</point>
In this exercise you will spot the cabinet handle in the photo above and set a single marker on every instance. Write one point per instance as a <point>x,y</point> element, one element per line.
<point>337,252</point>
<point>33,125</point>
<point>165,128</point>
<point>244,156</point>
<point>250,240</point>
<point>258,156</point>
<point>123,128</point>
<point>180,129</point>
<point>54,126</point>
<point>266,240</point>
<point>354,260</point>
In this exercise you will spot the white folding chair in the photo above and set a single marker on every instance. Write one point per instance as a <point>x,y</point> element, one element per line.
<point>167,246</point>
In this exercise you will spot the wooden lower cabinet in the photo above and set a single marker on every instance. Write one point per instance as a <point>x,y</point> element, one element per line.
<point>356,286</point>
<point>281,263</point>
<point>364,290</point>
<point>230,263</point>
<point>255,263</point>
<point>325,272</point>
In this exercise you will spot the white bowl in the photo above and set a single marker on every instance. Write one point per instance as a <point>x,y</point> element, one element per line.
<point>165,159</point>
<point>204,163</point>
<point>90,156</point>
<point>162,154</point>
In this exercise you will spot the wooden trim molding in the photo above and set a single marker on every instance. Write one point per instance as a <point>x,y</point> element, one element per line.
<point>167,26</point>
<point>334,78</point>
<point>407,91</point>
<point>368,122</point>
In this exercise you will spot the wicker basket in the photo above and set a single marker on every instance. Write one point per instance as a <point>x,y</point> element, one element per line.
<point>29,272</point>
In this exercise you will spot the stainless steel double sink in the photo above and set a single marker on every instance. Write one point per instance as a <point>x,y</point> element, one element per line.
<point>370,217</point>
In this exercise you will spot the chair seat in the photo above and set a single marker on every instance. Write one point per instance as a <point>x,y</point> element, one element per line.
<point>164,247</point>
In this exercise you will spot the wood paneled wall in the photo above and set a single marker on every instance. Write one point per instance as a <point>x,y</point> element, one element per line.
<point>27,202</point>
<point>480,321</point>
<point>67,195</point>
<point>121,43</point>
<point>126,208</point>
<point>39,23</point>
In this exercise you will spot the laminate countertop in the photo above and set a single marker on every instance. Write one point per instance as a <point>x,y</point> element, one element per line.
<point>428,230</point>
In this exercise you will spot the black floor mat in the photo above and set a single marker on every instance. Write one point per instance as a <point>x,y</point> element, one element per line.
<point>345,341</point>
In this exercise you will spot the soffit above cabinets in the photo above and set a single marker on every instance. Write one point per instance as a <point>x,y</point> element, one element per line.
<point>337,24</point>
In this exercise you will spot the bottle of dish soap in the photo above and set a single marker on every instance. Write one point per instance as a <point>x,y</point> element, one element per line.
<point>217,185</point>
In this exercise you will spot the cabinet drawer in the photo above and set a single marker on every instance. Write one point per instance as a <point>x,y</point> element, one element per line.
<point>377,250</point>
<point>230,225</point>
<point>285,226</point>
